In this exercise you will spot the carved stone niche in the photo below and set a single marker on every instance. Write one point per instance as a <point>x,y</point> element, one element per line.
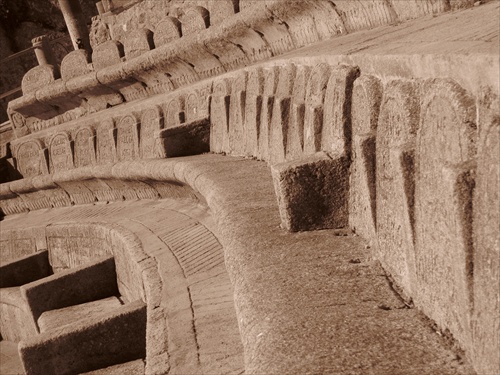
<point>84,147</point>
<point>127,140</point>
<point>18,122</point>
<point>195,19</point>
<point>151,124</point>
<point>60,153</point>
<point>167,31</point>
<point>31,158</point>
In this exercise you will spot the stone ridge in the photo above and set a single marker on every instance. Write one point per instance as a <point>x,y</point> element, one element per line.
<point>330,317</point>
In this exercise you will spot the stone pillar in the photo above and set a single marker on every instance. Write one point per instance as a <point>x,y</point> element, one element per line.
<point>73,16</point>
<point>43,50</point>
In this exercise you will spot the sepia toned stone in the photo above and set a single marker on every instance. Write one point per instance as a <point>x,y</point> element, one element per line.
<point>167,31</point>
<point>336,133</point>
<point>253,108</point>
<point>271,76</point>
<point>151,124</point>
<point>237,114</point>
<point>127,141</point>
<point>107,54</point>
<point>32,158</point>
<point>313,118</point>
<point>106,142</point>
<point>395,145</point>
<point>219,116</point>
<point>295,135</point>
<point>38,77</point>
<point>138,42</point>
<point>75,64</point>
<point>174,112</point>
<point>194,20</point>
<point>366,100</point>
<point>485,323</point>
<point>60,153</point>
<point>281,114</point>
<point>444,181</point>
<point>221,10</point>
<point>84,146</point>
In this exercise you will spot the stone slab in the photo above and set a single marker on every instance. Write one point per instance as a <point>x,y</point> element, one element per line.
<point>67,316</point>
<point>312,193</point>
<point>187,139</point>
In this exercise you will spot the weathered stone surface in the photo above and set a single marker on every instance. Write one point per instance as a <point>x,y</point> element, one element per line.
<point>313,118</point>
<point>194,20</point>
<point>295,135</point>
<point>24,270</point>
<point>106,142</point>
<point>90,344</point>
<point>84,147</point>
<point>485,323</point>
<point>107,54</point>
<point>53,319</point>
<point>271,76</point>
<point>366,100</point>
<point>336,132</point>
<point>75,64</point>
<point>219,115</point>
<point>60,153</point>
<point>237,114</point>
<point>16,324</point>
<point>221,10</point>
<point>188,139</point>
<point>130,368</point>
<point>281,114</point>
<point>395,145</point>
<point>137,42</point>
<point>174,112</point>
<point>151,124</point>
<point>167,31</point>
<point>300,24</point>
<point>31,158</point>
<point>38,77</point>
<point>312,193</point>
<point>127,140</point>
<point>82,284</point>
<point>253,108</point>
<point>444,180</point>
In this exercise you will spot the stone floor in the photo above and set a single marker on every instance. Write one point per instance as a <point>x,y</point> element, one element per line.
<point>10,363</point>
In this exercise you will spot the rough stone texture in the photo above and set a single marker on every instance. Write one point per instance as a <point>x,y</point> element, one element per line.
<point>72,287</point>
<point>312,193</point>
<point>151,124</point>
<point>127,139</point>
<point>130,368</point>
<point>485,322</point>
<point>38,77</point>
<point>107,54</point>
<point>138,42</point>
<point>444,179</point>
<point>24,270</point>
<point>88,344</point>
<point>187,139</point>
<point>219,116</point>
<point>16,323</point>
<point>84,147</point>
<point>194,20</point>
<point>60,153</point>
<point>75,64</point>
<point>31,159</point>
<point>271,76</point>
<point>366,99</point>
<point>106,143</point>
<point>395,151</point>
<point>167,31</point>
<point>53,319</point>
<point>237,114</point>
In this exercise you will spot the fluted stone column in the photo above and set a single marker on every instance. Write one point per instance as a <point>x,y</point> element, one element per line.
<point>73,16</point>
<point>43,50</point>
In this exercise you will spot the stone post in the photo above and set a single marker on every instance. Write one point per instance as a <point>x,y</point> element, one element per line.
<point>73,16</point>
<point>43,50</point>
<point>100,7</point>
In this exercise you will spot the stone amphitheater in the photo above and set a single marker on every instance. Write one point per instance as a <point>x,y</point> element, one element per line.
<point>256,187</point>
